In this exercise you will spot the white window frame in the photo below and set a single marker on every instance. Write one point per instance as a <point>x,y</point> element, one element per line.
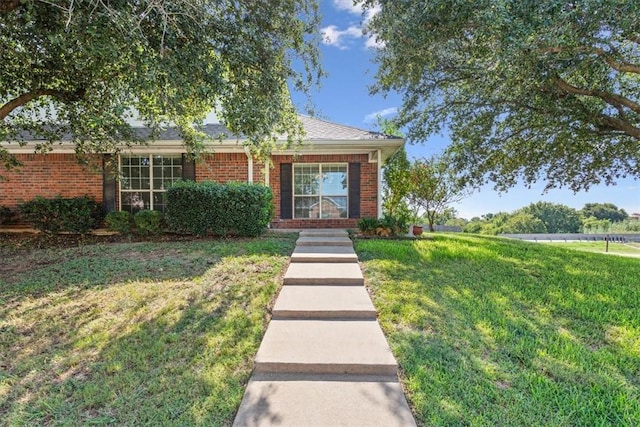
<point>151,189</point>
<point>320,194</point>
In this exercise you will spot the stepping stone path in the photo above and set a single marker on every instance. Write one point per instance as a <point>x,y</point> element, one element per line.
<point>324,360</point>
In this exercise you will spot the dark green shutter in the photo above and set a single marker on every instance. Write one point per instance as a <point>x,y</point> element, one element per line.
<point>109,184</point>
<point>188,168</point>
<point>286,191</point>
<point>354,190</point>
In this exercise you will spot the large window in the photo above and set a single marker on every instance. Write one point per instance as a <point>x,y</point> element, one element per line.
<point>145,179</point>
<point>320,191</point>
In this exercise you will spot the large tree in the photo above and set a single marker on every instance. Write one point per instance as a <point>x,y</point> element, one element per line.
<point>529,89</point>
<point>82,67</point>
<point>607,211</point>
<point>557,218</point>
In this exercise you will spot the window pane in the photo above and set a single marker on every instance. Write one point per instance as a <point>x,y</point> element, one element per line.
<point>334,180</point>
<point>334,207</point>
<point>158,201</point>
<point>133,202</point>
<point>306,207</point>
<point>306,179</point>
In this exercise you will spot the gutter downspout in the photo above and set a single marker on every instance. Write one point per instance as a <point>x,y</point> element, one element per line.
<point>249,164</point>
<point>379,183</point>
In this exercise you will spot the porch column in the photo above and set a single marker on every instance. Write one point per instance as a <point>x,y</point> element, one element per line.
<point>249,164</point>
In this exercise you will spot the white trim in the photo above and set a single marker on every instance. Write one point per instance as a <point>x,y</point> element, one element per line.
<point>267,171</point>
<point>379,186</point>
<point>320,194</point>
<point>249,165</point>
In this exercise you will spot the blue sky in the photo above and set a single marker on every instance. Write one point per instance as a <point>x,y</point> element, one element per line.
<point>344,98</point>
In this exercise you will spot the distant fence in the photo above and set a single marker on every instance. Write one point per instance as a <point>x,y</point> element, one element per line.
<point>447,228</point>
<point>613,237</point>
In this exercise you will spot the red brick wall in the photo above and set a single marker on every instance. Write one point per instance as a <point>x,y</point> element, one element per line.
<point>50,175</point>
<point>368,190</point>
<point>223,168</point>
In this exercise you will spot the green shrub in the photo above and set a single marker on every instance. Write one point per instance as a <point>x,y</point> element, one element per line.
<point>386,226</point>
<point>76,214</point>
<point>368,225</point>
<point>6,215</point>
<point>396,225</point>
<point>148,222</point>
<point>220,209</point>
<point>120,221</point>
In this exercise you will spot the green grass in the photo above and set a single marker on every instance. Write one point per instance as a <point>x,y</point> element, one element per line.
<point>492,331</point>
<point>133,333</point>
<point>615,248</point>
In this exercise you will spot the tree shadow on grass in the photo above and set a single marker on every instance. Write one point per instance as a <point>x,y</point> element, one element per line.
<point>171,350</point>
<point>492,332</point>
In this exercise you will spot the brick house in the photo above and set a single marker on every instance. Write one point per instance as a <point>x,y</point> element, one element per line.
<point>330,181</point>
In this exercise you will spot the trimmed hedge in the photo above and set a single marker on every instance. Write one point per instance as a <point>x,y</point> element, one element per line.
<point>120,221</point>
<point>220,209</point>
<point>76,214</point>
<point>148,222</point>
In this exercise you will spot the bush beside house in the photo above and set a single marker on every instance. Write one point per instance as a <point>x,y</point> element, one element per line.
<point>220,209</point>
<point>75,214</point>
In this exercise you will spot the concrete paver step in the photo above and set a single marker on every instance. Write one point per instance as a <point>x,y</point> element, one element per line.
<point>323,302</point>
<point>323,403</point>
<point>328,254</point>
<point>324,241</point>
<point>325,347</point>
<point>327,232</point>
<point>319,273</point>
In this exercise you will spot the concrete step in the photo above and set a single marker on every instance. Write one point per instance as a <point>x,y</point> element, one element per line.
<point>355,347</point>
<point>327,232</point>
<point>329,254</point>
<point>323,403</point>
<point>323,302</point>
<point>320,273</point>
<point>324,241</point>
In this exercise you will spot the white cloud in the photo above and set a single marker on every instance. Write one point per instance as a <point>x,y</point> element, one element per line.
<point>372,117</point>
<point>332,36</point>
<point>348,6</point>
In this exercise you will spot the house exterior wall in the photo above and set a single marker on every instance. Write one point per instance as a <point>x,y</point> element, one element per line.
<point>50,175</point>
<point>368,190</point>
<point>53,174</point>
<point>223,168</point>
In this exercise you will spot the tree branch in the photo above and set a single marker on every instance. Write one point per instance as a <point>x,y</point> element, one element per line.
<point>610,98</point>
<point>623,67</point>
<point>23,99</point>
<point>621,125</point>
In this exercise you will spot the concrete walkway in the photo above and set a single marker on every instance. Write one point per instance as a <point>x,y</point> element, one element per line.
<point>324,360</point>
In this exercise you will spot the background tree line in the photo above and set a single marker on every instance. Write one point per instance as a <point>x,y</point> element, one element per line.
<point>546,217</point>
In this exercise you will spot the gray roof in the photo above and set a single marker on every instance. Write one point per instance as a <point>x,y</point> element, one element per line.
<point>315,129</point>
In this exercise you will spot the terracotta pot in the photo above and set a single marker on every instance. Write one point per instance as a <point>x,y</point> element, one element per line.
<point>417,230</point>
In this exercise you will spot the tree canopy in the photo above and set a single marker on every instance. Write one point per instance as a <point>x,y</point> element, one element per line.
<point>82,67</point>
<point>607,211</point>
<point>529,89</point>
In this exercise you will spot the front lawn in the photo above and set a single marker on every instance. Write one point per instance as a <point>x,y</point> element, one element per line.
<point>491,331</point>
<point>615,248</point>
<point>157,333</point>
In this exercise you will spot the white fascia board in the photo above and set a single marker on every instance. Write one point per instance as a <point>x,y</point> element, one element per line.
<point>386,147</point>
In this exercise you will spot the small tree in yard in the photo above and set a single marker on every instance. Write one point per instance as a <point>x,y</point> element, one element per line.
<point>433,187</point>
<point>397,184</point>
